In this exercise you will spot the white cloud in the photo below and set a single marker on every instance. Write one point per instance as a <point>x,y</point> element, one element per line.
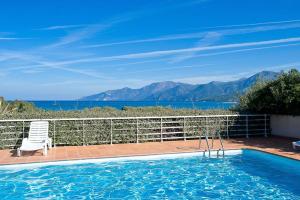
<point>78,35</point>
<point>62,65</point>
<point>86,32</point>
<point>243,50</point>
<point>32,71</point>
<point>63,27</point>
<point>13,38</point>
<point>207,40</point>
<point>231,30</point>
<point>232,77</point>
<point>40,63</point>
<point>68,82</point>
<point>256,24</point>
<point>176,51</point>
<point>196,49</point>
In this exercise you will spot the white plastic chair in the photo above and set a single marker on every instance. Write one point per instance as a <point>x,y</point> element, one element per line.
<point>296,145</point>
<point>37,138</point>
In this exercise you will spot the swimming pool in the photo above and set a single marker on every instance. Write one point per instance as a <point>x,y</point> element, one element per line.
<point>241,174</point>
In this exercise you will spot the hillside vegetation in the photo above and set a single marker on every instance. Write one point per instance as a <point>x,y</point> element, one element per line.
<point>15,107</point>
<point>280,96</point>
<point>110,112</point>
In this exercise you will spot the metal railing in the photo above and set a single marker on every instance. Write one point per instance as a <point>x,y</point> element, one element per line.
<point>88,131</point>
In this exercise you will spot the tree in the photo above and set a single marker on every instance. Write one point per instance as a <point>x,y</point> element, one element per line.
<point>281,96</point>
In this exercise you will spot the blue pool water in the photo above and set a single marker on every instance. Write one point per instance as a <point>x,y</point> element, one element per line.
<point>79,105</point>
<point>246,175</point>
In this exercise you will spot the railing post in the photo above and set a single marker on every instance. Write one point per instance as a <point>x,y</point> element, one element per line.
<point>137,130</point>
<point>206,126</point>
<point>247,128</point>
<point>161,130</point>
<point>227,130</point>
<point>54,133</point>
<point>111,131</point>
<point>184,132</point>
<point>23,130</point>
<point>266,126</point>
<point>83,134</point>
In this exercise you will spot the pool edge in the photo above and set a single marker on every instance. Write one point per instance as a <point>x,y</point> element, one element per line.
<point>119,158</point>
<point>269,152</point>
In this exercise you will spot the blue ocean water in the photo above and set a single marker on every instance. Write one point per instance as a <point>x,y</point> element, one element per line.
<point>250,175</point>
<point>79,105</point>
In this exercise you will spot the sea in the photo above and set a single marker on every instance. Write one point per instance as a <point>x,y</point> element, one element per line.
<point>80,105</point>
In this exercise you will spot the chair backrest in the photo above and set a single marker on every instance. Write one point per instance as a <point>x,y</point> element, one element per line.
<point>38,131</point>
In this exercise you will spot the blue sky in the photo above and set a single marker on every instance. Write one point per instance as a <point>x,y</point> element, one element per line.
<point>66,49</point>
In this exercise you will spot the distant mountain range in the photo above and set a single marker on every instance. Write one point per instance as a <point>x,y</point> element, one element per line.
<point>174,91</point>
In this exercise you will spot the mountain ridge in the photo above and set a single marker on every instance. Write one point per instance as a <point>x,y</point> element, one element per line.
<point>176,91</point>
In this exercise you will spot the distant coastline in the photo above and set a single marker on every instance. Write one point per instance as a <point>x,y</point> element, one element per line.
<point>65,105</point>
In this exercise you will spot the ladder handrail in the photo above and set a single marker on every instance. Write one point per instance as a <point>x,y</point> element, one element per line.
<point>217,134</point>
<point>206,139</point>
<point>221,142</point>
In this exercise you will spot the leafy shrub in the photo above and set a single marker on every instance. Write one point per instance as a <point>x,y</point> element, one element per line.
<point>10,107</point>
<point>281,96</point>
<point>107,112</point>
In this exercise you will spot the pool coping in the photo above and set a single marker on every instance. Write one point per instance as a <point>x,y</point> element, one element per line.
<point>112,157</point>
<point>171,155</point>
<point>135,157</point>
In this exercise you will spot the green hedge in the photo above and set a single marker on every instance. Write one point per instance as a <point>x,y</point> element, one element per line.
<point>112,112</point>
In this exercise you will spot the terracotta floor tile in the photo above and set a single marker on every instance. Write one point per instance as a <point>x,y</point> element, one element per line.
<point>277,145</point>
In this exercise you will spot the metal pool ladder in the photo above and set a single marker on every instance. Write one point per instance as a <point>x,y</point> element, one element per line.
<point>215,135</point>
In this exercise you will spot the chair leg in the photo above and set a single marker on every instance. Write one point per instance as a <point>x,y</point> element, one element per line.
<point>45,152</point>
<point>50,143</point>
<point>18,152</point>
<point>294,146</point>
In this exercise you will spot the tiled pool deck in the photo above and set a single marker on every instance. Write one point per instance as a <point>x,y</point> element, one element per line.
<point>275,145</point>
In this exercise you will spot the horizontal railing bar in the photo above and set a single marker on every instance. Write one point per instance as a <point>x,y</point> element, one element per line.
<point>9,139</point>
<point>11,145</point>
<point>124,129</point>
<point>249,130</point>
<point>163,133</point>
<point>147,139</point>
<point>248,134</point>
<point>158,138</point>
<point>153,128</point>
<point>172,127</point>
<point>172,122</point>
<point>176,132</point>
<point>121,118</point>
<point>146,134</point>
<point>172,138</point>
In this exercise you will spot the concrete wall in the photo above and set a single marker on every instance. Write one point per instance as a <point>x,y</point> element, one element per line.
<point>285,125</point>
